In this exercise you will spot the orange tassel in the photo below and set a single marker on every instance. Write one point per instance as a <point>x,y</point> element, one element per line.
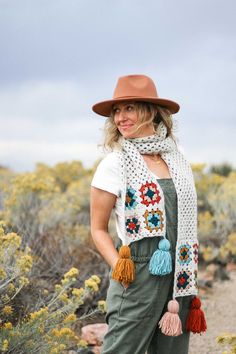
<point>196,321</point>
<point>124,270</point>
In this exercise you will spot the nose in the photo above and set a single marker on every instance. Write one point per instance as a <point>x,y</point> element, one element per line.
<point>122,114</point>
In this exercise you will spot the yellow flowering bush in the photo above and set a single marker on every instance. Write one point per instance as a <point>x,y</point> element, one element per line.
<point>223,205</point>
<point>228,342</point>
<point>206,225</point>
<point>206,183</point>
<point>208,253</point>
<point>5,346</point>
<point>64,173</point>
<point>227,251</point>
<point>49,207</point>
<point>102,305</point>
<point>49,327</point>
<point>15,265</point>
<point>216,191</point>
<point>92,283</point>
<point>7,310</point>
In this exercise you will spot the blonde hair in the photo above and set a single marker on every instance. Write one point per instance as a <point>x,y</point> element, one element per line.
<point>147,113</point>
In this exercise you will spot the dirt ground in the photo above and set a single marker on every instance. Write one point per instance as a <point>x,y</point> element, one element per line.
<point>219,304</point>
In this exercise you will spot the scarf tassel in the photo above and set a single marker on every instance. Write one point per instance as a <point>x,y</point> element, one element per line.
<point>124,270</point>
<point>161,262</point>
<point>170,323</point>
<point>196,321</point>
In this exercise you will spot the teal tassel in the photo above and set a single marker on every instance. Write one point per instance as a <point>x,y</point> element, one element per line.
<point>161,262</point>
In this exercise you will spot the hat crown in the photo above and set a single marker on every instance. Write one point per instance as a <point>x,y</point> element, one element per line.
<point>135,86</point>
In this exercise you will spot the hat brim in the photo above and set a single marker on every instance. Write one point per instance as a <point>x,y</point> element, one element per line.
<point>104,108</point>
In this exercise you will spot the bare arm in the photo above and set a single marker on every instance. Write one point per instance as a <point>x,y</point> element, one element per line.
<point>101,204</point>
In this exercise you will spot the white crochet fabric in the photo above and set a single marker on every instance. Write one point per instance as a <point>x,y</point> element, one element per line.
<point>143,200</point>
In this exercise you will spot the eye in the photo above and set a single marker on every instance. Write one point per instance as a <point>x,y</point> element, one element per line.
<point>130,107</point>
<point>115,110</point>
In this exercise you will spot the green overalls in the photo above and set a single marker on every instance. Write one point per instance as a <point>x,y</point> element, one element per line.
<point>133,313</point>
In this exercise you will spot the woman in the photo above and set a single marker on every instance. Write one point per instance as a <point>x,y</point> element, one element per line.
<point>151,302</point>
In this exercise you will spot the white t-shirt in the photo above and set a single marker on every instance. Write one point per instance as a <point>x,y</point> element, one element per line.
<point>108,178</point>
<point>107,175</point>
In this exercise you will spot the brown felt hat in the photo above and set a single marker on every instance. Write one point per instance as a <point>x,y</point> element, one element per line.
<point>134,88</point>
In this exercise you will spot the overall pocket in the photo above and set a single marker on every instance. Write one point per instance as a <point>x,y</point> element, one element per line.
<point>138,297</point>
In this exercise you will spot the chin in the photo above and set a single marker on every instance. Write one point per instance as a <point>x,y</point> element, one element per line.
<point>129,136</point>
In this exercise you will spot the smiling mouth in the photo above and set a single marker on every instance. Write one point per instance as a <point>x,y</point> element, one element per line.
<point>126,126</point>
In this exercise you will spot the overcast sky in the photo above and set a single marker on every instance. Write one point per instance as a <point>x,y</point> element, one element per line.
<point>59,57</point>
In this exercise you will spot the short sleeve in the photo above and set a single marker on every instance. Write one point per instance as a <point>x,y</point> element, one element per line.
<point>107,175</point>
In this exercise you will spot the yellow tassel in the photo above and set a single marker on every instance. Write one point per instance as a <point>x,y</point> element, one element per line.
<point>124,270</point>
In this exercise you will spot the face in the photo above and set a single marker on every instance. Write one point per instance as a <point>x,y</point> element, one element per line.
<point>127,121</point>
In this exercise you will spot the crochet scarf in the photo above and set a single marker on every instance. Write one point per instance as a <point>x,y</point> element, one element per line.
<point>144,207</point>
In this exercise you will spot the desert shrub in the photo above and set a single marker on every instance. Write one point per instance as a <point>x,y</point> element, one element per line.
<point>228,342</point>
<point>49,208</point>
<point>45,207</point>
<point>216,211</point>
<point>223,205</point>
<point>223,169</point>
<point>46,325</point>
<point>227,251</point>
<point>206,184</point>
